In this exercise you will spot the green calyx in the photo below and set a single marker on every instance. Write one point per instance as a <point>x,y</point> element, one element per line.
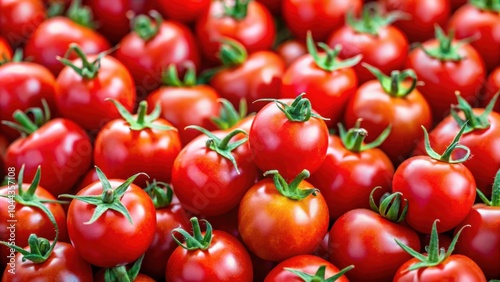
<point>447,49</point>
<point>222,146</point>
<point>299,111</point>
<point>142,120</point>
<point>197,241</point>
<point>435,255</point>
<point>24,124</point>
<point>109,198</point>
<point>393,85</point>
<point>161,193</point>
<point>372,19</point>
<point>291,190</point>
<point>232,53</point>
<point>237,10</point>
<point>229,116</point>
<point>329,61</point>
<point>472,121</point>
<point>121,274</point>
<point>16,58</point>
<point>147,27</point>
<point>446,156</point>
<point>79,14</point>
<point>89,70</point>
<point>486,5</point>
<point>319,276</point>
<point>495,194</point>
<point>354,137</point>
<point>171,76</point>
<point>390,206</point>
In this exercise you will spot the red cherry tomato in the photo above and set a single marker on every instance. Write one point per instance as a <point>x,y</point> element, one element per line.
<point>112,17</point>
<point>19,19</point>
<point>304,263</point>
<point>492,87</point>
<point>291,50</point>
<point>191,9</point>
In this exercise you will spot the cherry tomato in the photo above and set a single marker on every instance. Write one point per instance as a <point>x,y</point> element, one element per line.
<point>291,50</point>
<point>191,9</point>
<point>491,88</point>
<point>112,17</point>
<point>19,19</point>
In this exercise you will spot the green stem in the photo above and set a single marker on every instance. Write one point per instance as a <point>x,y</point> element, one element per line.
<point>353,139</point>
<point>292,190</point>
<point>232,53</point>
<point>446,156</point>
<point>197,241</point>
<point>329,61</point>
<point>145,28</point>
<point>299,111</point>
<point>394,85</point>
<point>238,10</point>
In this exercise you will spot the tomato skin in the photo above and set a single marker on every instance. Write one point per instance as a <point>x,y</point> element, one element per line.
<point>305,263</point>
<point>84,100</point>
<point>23,85</point>
<point>184,106</point>
<point>386,51</point>
<point>102,242</point>
<point>30,220</point>
<point>328,92</point>
<point>491,88</point>
<point>5,50</point>
<point>424,15</point>
<point>61,148</point>
<point>361,235</point>
<point>145,60</point>
<point>434,190</point>
<point>484,222</point>
<point>257,78</point>
<point>443,79</point>
<point>64,264</point>
<point>291,50</point>
<point>266,217</point>
<point>207,183</point>
<point>53,37</point>
<point>280,144</point>
<point>191,9</point>
<point>112,17</point>
<point>19,19</point>
<point>320,16</point>
<point>225,260</point>
<point>470,21</point>
<point>379,110</point>
<point>256,32</point>
<point>346,178</point>
<point>455,268</point>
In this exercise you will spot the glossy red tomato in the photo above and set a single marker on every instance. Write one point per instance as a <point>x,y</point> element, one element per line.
<point>491,88</point>
<point>481,20</point>
<point>19,19</point>
<point>64,264</point>
<point>247,22</point>
<point>60,147</point>
<point>288,144</point>
<point>23,85</point>
<point>291,50</point>
<point>53,37</point>
<point>111,239</point>
<point>152,47</point>
<point>217,257</point>
<point>321,17</point>
<point>445,66</point>
<point>289,220</point>
<point>81,96</point>
<point>112,18</point>
<point>380,44</point>
<point>5,50</point>
<point>425,14</point>
<point>191,9</point>
<point>304,263</point>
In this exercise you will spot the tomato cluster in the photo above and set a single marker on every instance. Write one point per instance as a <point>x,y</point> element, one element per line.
<point>249,140</point>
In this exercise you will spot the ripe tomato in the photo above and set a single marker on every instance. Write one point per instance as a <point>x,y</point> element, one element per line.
<point>445,66</point>
<point>321,17</point>
<point>291,50</point>
<point>480,19</point>
<point>278,140</point>
<point>211,174</point>
<point>315,74</point>
<point>350,171</point>
<point>491,88</point>
<point>277,220</point>
<point>153,46</point>
<point>23,85</point>
<point>19,18</point>
<point>208,256</point>
<point>83,86</point>
<point>424,15</point>
<point>120,272</point>
<point>112,17</point>
<point>185,103</point>
<point>247,22</point>
<point>111,222</point>
<point>380,102</point>
<point>380,44</point>
<point>360,235</point>
<point>250,77</point>
<point>306,264</point>
<point>436,187</point>
<point>191,9</point>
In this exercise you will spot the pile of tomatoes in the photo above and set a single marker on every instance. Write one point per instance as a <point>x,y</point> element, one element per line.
<point>250,140</point>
